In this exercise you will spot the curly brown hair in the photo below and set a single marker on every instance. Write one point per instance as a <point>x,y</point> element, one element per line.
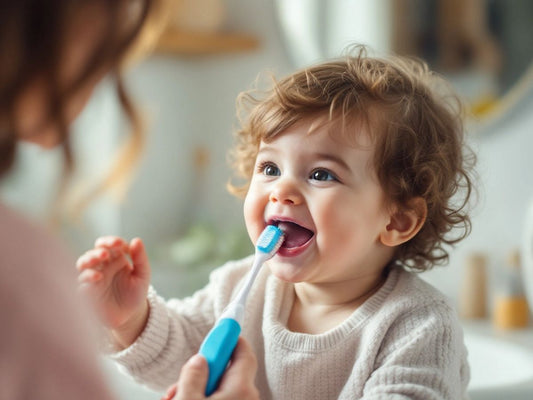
<point>416,124</point>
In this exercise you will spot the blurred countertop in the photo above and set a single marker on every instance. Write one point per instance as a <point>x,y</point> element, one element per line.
<point>484,327</point>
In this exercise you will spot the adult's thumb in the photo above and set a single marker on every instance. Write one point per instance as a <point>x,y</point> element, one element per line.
<point>243,365</point>
<point>193,379</point>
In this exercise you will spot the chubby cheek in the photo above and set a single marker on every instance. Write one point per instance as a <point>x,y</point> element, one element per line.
<point>334,234</point>
<point>340,229</point>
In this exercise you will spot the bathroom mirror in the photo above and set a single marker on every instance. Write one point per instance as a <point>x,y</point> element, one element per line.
<point>483,47</point>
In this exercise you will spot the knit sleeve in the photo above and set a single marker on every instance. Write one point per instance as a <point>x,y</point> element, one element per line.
<point>422,357</point>
<point>176,328</point>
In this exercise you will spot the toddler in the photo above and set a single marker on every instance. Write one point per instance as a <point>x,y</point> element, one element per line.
<point>364,167</point>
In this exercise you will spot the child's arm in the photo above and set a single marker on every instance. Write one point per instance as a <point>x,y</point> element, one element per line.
<point>115,275</point>
<point>176,328</point>
<point>156,343</point>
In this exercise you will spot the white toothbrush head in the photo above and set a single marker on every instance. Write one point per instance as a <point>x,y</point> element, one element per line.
<point>270,241</point>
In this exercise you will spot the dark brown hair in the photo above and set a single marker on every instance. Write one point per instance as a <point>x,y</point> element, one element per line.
<point>417,131</point>
<point>32,39</point>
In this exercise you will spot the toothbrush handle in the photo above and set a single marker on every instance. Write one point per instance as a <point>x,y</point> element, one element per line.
<point>217,349</point>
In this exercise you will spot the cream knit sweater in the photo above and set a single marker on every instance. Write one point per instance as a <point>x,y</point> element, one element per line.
<point>405,342</point>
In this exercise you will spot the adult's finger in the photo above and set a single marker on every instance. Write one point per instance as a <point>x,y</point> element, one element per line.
<point>241,372</point>
<point>171,392</point>
<point>244,362</point>
<point>193,379</point>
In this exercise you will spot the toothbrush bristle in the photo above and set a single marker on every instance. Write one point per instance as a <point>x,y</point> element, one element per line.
<point>270,240</point>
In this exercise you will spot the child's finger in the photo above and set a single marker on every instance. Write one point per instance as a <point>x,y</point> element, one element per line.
<point>93,258</point>
<point>90,290</point>
<point>116,264</point>
<point>109,267</point>
<point>111,241</point>
<point>139,258</point>
<point>90,276</point>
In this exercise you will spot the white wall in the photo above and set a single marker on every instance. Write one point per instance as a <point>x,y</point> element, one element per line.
<point>506,190</point>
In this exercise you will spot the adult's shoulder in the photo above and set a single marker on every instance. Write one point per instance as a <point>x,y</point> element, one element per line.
<point>35,268</point>
<point>26,244</point>
<point>45,327</point>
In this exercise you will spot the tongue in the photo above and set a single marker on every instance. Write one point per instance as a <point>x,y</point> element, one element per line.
<point>295,235</point>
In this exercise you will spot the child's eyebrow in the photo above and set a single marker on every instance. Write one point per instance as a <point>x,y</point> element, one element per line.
<point>266,149</point>
<point>333,158</point>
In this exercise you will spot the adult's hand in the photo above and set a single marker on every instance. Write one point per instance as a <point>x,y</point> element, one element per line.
<point>236,384</point>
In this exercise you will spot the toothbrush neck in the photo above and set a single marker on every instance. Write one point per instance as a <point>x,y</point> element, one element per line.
<point>242,295</point>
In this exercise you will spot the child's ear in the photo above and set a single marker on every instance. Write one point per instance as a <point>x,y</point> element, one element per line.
<point>405,224</point>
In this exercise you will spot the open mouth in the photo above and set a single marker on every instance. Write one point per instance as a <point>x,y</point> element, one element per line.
<point>295,235</point>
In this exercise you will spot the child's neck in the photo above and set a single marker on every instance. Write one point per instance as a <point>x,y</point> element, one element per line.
<point>318,308</point>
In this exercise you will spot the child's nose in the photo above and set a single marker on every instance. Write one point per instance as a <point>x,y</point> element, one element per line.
<point>286,192</point>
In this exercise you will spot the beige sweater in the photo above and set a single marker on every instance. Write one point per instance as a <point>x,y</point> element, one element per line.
<point>405,342</point>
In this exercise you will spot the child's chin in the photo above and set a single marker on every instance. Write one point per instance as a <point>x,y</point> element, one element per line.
<point>285,272</point>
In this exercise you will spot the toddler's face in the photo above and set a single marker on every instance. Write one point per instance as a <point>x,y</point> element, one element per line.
<point>326,197</point>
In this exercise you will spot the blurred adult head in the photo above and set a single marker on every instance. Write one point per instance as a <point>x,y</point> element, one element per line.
<point>53,54</point>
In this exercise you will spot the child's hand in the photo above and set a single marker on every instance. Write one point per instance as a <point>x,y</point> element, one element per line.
<point>115,276</point>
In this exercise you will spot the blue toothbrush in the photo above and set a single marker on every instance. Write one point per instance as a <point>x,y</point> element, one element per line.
<point>220,342</point>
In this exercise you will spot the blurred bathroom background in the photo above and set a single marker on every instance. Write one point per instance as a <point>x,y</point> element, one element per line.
<point>177,201</point>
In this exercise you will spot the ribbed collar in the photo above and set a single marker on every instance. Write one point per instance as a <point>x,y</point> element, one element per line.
<point>282,298</point>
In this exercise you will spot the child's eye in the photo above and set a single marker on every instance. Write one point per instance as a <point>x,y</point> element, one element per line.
<point>269,169</point>
<point>322,175</point>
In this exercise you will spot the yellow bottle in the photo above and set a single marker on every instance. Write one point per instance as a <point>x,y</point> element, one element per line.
<point>511,310</point>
